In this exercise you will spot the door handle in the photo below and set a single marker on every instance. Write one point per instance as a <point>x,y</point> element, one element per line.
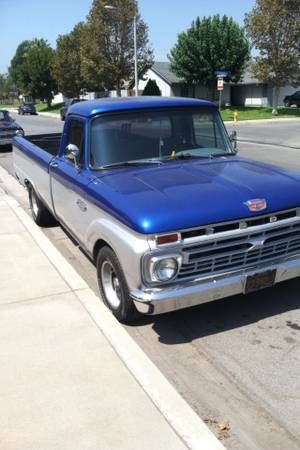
<point>54,164</point>
<point>81,205</point>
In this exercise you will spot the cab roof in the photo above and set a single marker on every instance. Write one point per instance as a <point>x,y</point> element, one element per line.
<point>105,105</point>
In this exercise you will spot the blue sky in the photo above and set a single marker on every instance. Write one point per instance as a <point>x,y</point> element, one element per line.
<point>27,19</point>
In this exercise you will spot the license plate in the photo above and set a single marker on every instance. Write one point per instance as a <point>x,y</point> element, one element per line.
<point>260,281</point>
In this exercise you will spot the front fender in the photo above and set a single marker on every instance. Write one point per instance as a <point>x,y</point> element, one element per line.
<point>128,245</point>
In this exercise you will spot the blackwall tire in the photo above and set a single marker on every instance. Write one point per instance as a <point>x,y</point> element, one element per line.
<point>40,214</point>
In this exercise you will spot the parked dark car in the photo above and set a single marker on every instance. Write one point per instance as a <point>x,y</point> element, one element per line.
<point>293,99</point>
<point>64,109</point>
<point>27,108</point>
<point>8,128</point>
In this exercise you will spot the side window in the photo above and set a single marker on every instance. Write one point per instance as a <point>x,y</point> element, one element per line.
<point>76,136</point>
<point>207,132</point>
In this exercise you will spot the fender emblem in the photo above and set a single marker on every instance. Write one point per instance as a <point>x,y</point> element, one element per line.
<point>256,204</point>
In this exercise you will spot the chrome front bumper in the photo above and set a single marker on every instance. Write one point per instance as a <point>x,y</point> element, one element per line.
<point>184,295</point>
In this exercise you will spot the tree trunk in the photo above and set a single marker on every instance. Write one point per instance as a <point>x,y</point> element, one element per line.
<point>275,100</point>
<point>118,88</point>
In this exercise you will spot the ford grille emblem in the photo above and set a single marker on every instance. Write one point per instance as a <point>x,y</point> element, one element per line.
<point>256,204</point>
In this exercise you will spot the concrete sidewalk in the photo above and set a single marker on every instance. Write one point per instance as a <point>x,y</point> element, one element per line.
<point>71,377</point>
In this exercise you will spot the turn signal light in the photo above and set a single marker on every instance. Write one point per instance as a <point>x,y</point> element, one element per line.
<point>167,238</point>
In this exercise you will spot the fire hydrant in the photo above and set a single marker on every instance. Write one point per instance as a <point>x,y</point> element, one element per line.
<point>235,116</point>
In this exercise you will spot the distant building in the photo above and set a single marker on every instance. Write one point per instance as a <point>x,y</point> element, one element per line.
<point>247,92</point>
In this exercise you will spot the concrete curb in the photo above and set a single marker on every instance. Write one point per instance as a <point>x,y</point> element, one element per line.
<point>181,417</point>
<point>255,121</point>
<point>48,114</point>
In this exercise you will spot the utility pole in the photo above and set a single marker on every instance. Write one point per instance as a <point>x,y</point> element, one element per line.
<point>136,80</point>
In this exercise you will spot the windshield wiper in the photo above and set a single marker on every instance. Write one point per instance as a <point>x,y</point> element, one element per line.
<point>137,163</point>
<point>183,156</point>
<point>189,156</point>
<point>217,155</point>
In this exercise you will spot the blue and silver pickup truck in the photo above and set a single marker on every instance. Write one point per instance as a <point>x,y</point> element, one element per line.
<point>153,191</point>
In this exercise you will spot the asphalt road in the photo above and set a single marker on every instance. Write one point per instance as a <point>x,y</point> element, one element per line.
<point>236,359</point>
<point>278,132</point>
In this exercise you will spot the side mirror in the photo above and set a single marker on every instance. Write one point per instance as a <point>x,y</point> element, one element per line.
<point>233,140</point>
<point>72,153</point>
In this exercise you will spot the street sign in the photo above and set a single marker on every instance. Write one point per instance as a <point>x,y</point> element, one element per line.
<point>221,74</point>
<point>220,84</point>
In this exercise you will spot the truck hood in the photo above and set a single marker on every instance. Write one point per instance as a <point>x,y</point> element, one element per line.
<point>180,195</point>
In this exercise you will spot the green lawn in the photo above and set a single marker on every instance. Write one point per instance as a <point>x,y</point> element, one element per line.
<point>42,107</point>
<point>252,113</point>
<point>9,106</point>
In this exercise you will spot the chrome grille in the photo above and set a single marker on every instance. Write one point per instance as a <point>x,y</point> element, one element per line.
<point>239,224</point>
<point>226,254</point>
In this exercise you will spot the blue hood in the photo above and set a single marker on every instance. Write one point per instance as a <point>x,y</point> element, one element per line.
<point>180,195</point>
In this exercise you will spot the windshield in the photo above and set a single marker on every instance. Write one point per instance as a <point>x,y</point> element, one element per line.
<point>5,117</point>
<point>154,136</point>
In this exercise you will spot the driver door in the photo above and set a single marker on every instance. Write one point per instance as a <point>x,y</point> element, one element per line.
<point>69,179</point>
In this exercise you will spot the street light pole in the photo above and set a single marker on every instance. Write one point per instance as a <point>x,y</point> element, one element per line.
<point>136,80</point>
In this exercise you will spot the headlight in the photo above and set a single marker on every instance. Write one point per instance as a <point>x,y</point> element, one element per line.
<point>19,132</point>
<point>161,268</point>
<point>165,269</point>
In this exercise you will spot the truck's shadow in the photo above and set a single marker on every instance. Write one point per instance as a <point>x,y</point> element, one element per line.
<point>226,314</point>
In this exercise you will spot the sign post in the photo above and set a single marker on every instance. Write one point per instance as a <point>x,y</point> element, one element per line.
<point>220,84</point>
<point>220,87</point>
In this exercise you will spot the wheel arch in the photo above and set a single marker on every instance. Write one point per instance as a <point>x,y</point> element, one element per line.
<point>99,244</point>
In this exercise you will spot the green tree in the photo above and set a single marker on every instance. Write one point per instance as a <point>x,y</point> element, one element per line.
<point>6,88</point>
<point>30,69</point>
<point>151,88</point>
<point>274,29</point>
<point>209,45</point>
<point>107,49</point>
<point>66,63</point>
<point>18,72</point>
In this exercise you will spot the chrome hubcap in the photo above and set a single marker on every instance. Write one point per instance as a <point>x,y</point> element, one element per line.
<point>111,285</point>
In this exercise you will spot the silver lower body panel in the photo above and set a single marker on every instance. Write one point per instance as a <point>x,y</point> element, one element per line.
<point>196,292</point>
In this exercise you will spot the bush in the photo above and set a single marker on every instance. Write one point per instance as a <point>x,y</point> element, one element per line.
<point>151,88</point>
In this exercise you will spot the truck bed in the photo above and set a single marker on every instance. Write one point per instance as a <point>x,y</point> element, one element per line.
<point>48,142</point>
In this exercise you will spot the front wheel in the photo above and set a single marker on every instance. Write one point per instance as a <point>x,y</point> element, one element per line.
<point>113,286</point>
<point>40,214</point>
